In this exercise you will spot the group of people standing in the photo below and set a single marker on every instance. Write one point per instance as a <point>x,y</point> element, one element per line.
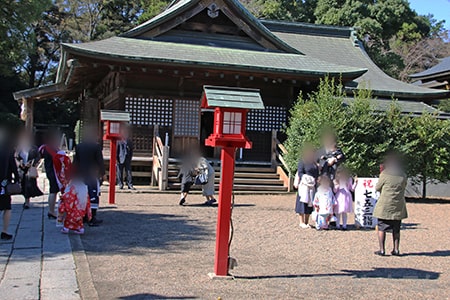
<point>324,186</point>
<point>77,181</point>
<point>325,189</point>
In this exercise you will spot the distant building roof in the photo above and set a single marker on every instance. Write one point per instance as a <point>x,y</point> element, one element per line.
<point>339,45</point>
<point>439,70</point>
<point>407,107</point>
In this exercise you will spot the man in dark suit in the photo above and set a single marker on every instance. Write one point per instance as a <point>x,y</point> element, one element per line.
<point>124,157</point>
<point>88,162</point>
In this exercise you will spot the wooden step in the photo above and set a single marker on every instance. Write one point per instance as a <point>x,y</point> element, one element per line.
<point>243,181</point>
<point>239,187</point>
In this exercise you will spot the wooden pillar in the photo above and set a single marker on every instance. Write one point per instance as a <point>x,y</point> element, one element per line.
<point>27,114</point>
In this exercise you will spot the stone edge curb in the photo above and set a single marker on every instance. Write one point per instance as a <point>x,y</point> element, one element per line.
<point>84,276</point>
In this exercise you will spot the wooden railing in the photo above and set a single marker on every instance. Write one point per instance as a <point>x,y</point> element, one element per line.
<point>278,162</point>
<point>160,170</point>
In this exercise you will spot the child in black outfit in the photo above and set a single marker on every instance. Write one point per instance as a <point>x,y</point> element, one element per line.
<point>187,175</point>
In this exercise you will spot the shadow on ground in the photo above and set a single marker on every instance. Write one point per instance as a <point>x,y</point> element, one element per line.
<point>389,273</point>
<point>154,296</point>
<point>437,253</point>
<point>131,232</point>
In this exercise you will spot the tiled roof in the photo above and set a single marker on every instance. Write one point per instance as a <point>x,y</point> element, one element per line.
<point>439,69</point>
<point>412,107</point>
<point>230,97</point>
<point>137,50</point>
<point>338,45</point>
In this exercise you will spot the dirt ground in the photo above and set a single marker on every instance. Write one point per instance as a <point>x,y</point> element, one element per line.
<point>151,248</point>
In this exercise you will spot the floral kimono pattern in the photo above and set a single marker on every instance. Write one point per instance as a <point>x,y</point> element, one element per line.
<point>75,205</point>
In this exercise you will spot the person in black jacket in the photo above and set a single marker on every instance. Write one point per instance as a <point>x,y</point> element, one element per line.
<point>88,162</point>
<point>28,157</point>
<point>330,156</point>
<point>8,168</point>
<point>124,157</point>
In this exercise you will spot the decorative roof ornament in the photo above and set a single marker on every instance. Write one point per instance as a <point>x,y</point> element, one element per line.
<point>213,10</point>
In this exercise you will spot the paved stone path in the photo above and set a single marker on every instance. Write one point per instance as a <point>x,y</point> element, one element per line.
<point>37,263</point>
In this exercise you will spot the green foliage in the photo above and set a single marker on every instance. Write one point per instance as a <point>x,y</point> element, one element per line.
<point>365,133</point>
<point>429,149</point>
<point>444,105</point>
<point>399,40</point>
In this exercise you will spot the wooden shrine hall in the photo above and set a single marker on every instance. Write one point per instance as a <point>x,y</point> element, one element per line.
<point>157,71</point>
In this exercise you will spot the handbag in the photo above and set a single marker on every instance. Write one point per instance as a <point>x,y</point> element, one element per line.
<point>13,189</point>
<point>201,179</point>
<point>32,172</point>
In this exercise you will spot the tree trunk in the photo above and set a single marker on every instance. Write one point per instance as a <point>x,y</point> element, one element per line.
<point>424,187</point>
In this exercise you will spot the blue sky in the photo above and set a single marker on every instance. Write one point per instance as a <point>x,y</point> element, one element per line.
<point>439,8</point>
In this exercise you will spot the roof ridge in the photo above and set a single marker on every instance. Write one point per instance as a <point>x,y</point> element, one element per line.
<point>184,5</point>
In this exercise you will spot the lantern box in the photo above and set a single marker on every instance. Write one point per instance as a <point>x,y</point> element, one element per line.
<point>114,119</point>
<point>230,114</point>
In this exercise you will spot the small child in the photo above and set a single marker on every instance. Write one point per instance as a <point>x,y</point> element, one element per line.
<point>324,203</point>
<point>187,175</point>
<point>343,186</point>
<point>74,206</point>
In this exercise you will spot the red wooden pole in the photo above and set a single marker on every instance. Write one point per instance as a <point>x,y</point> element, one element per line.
<point>224,212</point>
<point>112,171</point>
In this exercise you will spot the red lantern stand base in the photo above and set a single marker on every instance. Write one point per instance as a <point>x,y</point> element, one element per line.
<point>112,171</point>
<point>224,213</point>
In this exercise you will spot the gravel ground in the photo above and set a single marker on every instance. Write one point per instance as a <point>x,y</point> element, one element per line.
<point>151,248</point>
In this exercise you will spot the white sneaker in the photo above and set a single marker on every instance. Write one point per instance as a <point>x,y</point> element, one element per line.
<point>304,226</point>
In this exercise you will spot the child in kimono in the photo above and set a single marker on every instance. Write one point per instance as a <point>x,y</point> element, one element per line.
<point>324,203</point>
<point>344,185</point>
<point>74,206</point>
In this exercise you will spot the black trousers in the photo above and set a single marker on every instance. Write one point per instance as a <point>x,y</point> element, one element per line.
<point>120,168</point>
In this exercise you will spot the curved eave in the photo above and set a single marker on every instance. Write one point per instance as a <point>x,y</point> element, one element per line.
<point>100,55</point>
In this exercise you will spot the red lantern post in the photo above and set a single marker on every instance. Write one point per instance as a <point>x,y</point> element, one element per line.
<point>114,120</point>
<point>231,107</point>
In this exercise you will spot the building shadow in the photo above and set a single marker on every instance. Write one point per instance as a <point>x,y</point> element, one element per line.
<point>437,253</point>
<point>154,296</point>
<point>387,273</point>
<point>216,205</point>
<point>124,232</point>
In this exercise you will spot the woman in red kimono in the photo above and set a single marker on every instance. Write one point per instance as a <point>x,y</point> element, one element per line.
<point>74,206</point>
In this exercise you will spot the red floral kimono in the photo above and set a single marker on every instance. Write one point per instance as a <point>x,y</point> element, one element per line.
<point>76,205</point>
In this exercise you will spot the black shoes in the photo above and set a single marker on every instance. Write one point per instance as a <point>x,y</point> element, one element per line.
<point>26,206</point>
<point>395,253</point>
<point>182,201</point>
<point>5,236</point>
<point>51,216</point>
<point>379,253</point>
<point>210,202</point>
<point>95,222</point>
<point>130,187</point>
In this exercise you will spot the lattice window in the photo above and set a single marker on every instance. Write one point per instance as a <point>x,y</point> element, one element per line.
<point>232,122</point>
<point>187,118</point>
<point>149,111</point>
<point>271,118</point>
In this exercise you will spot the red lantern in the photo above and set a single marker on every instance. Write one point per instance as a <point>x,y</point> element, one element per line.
<point>114,120</point>
<point>230,118</point>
